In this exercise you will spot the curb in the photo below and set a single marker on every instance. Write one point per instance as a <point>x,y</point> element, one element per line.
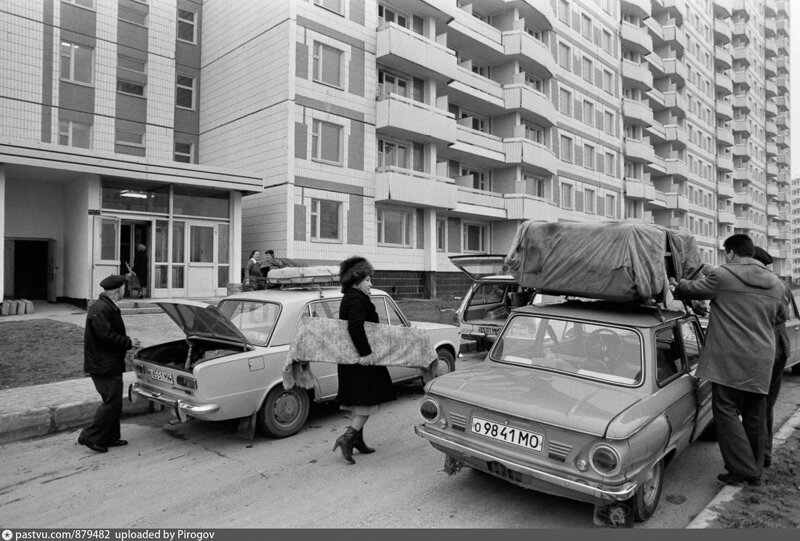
<point>728,492</point>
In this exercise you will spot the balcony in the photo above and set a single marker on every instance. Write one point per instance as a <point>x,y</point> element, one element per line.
<point>741,102</point>
<point>741,126</point>
<point>782,120</point>
<point>722,31</point>
<point>657,166</point>
<point>772,190</point>
<point>723,84</point>
<point>532,54</point>
<point>724,163</point>
<point>769,8</point>
<point>677,202</point>
<point>771,109</point>
<point>770,47</point>
<point>725,190</point>
<point>640,8</point>
<point>475,92</point>
<point>725,137</point>
<point>676,9</point>
<point>782,26</point>
<point>772,150</point>
<point>472,201</point>
<point>744,223</point>
<point>783,84</point>
<point>782,45</point>
<point>740,151</point>
<point>408,119</point>
<point>415,188</point>
<point>772,212</point>
<point>722,58</point>
<point>675,100</point>
<point>467,32</point>
<point>676,134</point>
<point>742,55</point>
<point>638,151</point>
<point>475,146</point>
<point>773,231</point>
<point>772,170</point>
<point>770,88</point>
<point>532,103</point>
<point>743,198</point>
<point>770,29</point>
<point>783,159</point>
<point>675,37</point>
<point>535,157</point>
<point>636,75</point>
<point>740,30</point>
<point>637,112</point>
<point>783,65</point>
<point>636,189</point>
<point>722,9</point>
<point>411,53</point>
<point>726,217</point>
<point>770,67</point>
<point>520,206</point>
<point>676,168</point>
<point>782,102</point>
<point>740,78</point>
<point>656,65</point>
<point>771,127</point>
<point>636,38</point>
<point>676,69</point>
<point>741,175</point>
<point>724,109</point>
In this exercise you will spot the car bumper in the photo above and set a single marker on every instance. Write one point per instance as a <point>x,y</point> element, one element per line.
<point>530,477</point>
<point>183,410</point>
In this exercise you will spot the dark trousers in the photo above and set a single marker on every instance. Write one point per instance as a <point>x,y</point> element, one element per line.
<point>105,425</point>
<point>741,441</point>
<point>772,397</point>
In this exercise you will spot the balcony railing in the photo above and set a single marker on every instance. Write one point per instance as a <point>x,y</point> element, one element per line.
<point>413,187</point>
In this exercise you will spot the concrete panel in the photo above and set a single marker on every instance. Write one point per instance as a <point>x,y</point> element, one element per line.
<point>355,148</point>
<point>355,220</point>
<point>17,425</point>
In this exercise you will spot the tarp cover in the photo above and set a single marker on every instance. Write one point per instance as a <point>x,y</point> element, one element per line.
<point>616,261</point>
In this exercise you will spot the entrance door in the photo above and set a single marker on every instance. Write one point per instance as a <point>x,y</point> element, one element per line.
<point>200,280</point>
<point>132,235</point>
<point>105,260</point>
<point>31,270</point>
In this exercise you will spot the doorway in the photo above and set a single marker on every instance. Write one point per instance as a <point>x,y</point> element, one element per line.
<point>132,234</point>
<point>33,270</point>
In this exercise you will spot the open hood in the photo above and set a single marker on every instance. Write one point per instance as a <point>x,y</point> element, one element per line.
<point>481,266</point>
<point>203,320</point>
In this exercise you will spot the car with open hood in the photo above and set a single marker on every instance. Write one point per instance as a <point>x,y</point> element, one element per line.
<point>230,364</point>
<point>585,399</point>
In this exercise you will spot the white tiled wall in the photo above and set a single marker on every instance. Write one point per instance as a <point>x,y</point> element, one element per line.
<point>105,61</point>
<point>21,79</point>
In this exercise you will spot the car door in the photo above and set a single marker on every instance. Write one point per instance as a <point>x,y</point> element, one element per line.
<point>793,330</point>
<point>326,373</point>
<point>692,338</point>
<point>389,314</point>
<point>675,384</point>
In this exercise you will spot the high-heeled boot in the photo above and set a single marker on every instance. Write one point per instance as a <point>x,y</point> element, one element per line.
<point>359,444</point>
<point>346,441</point>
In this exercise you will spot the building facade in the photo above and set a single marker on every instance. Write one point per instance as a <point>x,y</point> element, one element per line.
<point>409,131</point>
<point>99,152</point>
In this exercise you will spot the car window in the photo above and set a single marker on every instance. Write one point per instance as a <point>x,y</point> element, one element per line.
<point>387,312</point>
<point>692,342</point>
<point>254,319</point>
<point>591,350</point>
<point>328,309</point>
<point>669,358</point>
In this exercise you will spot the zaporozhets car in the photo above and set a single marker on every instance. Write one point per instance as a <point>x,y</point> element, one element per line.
<point>230,364</point>
<point>589,400</point>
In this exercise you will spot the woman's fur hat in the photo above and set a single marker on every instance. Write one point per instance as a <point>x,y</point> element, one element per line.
<point>354,269</point>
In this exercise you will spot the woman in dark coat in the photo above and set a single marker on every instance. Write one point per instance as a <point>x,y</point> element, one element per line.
<point>362,386</point>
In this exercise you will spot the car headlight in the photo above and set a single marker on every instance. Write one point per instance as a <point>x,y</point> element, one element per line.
<point>429,409</point>
<point>605,460</point>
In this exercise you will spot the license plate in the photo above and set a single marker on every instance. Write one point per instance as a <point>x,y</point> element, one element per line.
<point>159,375</point>
<point>508,434</point>
<point>489,330</point>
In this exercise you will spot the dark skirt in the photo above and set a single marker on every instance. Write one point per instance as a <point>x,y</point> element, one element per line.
<point>364,385</point>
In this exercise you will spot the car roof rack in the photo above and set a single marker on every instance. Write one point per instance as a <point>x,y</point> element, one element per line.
<point>317,275</point>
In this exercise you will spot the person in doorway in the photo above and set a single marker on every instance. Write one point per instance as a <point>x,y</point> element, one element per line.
<point>252,272</point>
<point>104,347</point>
<point>783,346</point>
<point>362,386</point>
<point>746,302</point>
<point>141,268</point>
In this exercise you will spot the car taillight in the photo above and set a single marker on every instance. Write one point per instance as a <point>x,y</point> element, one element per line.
<point>138,368</point>
<point>605,460</point>
<point>429,410</point>
<point>184,381</point>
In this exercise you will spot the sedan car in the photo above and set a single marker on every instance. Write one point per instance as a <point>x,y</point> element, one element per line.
<point>589,400</point>
<point>230,364</point>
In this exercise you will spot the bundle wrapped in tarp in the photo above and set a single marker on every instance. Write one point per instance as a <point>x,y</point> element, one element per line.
<point>304,275</point>
<point>617,261</point>
<point>328,341</point>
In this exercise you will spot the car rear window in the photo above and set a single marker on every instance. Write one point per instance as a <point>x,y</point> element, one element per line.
<point>590,350</point>
<point>255,319</point>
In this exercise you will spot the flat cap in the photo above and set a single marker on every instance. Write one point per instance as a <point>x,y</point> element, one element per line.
<point>113,282</point>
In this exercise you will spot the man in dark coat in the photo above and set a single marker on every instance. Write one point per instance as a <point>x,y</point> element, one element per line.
<point>142,268</point>
<point>105,344</point>
<point>746,303</point>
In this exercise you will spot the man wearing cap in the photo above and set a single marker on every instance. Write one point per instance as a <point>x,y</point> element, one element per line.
<point>783,346</point>
<point>104,347</point>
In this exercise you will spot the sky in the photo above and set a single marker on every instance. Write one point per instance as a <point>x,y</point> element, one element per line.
<point>794,89</point>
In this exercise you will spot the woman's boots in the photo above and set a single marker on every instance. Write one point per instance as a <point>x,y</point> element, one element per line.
<point>346,441</point>
<point>359,444</point>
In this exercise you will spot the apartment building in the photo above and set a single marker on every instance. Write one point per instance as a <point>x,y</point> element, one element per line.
<point>99,152</point>
<point>409,131</point>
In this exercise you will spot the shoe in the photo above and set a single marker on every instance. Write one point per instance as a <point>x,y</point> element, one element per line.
<point>93,446</point>
<point>118,443</point>
<point>345,441</point>
<point>359,444</point>
<point>736,479</point>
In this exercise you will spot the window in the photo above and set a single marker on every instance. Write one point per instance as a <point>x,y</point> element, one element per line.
<point>610,169</point>
<point>480,180</point>
<point>589,201</point>
<point>566,149</point>
<point>186,26</point>
<point>609,122</point>
<point>608,81</point>
<point>83,3</point>
<point>474,237</point>
<point>129,138</point>
<point>389,83</point>
<point>565,101</point>
<point>632,209</point>
<point>184,152</point>
<point>132,16</point>
<point>74,134</point>
<point>128,87</point>
<point>441,235</point>
<point>394,227</point>
<point>566,196</point>
<point>77,63</point>
<point>326,142</point>
<point>536,186</point>
<point>331,5</point>
<point>185,92</point>
<point>588,156</point>
<point>131,64</point>
<point>586,26</point>
<point>588,113</point>
<point>564,56</point>
<point>606,42</point>
<point>534,133</point>
<point>563,11</point>
<point>587,69</point>
<point>325,219</point>
<point>403,154</point>
<point>669,360</point>
<point>327,65</point>
<point>389,15</point>
<point>611,206</point>
<point>534,82</point>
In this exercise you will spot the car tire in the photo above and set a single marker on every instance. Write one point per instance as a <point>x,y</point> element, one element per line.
<point>284,412</point>
<point>649,492</point>
<point>445,359</point>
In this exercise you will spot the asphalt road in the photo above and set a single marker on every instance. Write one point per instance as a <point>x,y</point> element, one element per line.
<point>202,475</point>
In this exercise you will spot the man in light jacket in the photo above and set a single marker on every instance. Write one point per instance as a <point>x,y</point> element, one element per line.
<point>746,301</point>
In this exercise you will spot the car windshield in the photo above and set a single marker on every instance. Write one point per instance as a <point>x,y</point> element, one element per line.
<point>591,350</point>
<point>254,318</point>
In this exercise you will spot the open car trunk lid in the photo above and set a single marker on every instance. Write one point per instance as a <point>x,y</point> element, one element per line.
<point>203,320</point>
<point>483,266</point>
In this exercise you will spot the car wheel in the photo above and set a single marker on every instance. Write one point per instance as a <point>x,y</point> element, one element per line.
<point>446,363</point>
<point>649,492</point>
<point>284,412</point>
